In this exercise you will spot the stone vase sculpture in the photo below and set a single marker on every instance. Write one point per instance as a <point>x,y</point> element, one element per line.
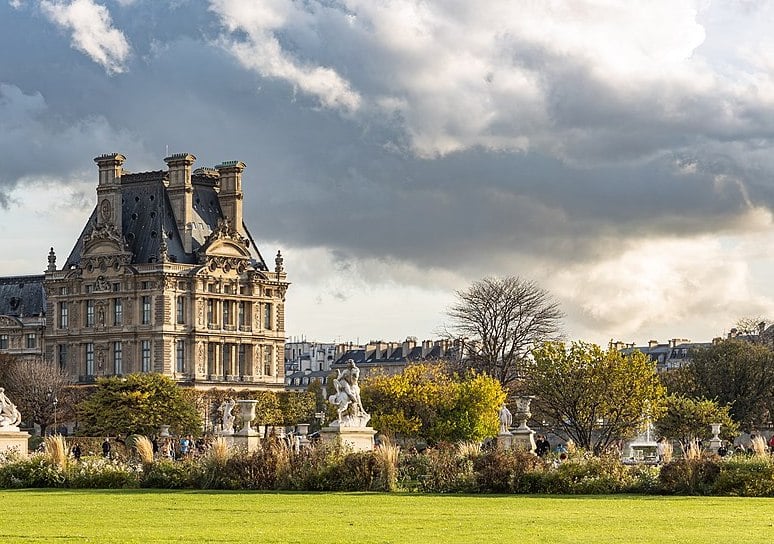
<point>523,436</point>
<point>715,442</point>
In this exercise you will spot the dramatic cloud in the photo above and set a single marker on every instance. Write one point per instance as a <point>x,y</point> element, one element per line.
<point>92,31</point>
<point>622,155</point>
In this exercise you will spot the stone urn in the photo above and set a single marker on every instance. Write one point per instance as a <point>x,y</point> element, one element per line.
<point>715,442</point>
<point>302,429</point>
<point>523,413</point>
<point>164,430</point>
<point>247,411</point>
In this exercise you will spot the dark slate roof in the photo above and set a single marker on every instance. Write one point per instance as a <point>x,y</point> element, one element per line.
<point>147,214</point>
<point>22,296</point>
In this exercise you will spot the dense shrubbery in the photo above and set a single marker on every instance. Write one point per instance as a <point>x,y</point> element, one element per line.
<point>448,468</point>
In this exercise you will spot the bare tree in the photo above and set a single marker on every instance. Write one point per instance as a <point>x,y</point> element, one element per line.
<point>39,390</point>
<point>500,320</point>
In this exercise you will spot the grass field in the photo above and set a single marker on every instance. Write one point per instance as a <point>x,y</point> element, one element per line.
<point>198,516</point>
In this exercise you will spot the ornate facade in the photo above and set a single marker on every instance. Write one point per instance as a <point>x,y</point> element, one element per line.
<point>166,278</point>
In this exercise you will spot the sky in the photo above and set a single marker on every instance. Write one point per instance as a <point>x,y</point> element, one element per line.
<point>617,153</point>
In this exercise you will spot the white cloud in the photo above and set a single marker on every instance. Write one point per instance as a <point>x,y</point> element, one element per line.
<point>92,31</point>
<point>260,50</point>
<point>671,286</point>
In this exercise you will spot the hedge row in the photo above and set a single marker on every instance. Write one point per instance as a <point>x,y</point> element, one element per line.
<point>445,469</point>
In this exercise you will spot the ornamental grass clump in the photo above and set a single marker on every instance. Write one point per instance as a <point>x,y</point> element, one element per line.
<point>758,445</point>
<point>144,448</point>
<point>387,454</point>
<point>55,449</point>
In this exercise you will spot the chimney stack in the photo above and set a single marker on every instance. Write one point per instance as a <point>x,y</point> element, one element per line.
<point>109,190</point>
<point>180,191</point>
<point>231,192</point>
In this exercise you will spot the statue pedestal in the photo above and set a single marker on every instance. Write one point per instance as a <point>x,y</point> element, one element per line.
<point>250,442</point>
<point>14,440</point>
<point>355,438</point>
<point>504,441</point>
<point>523,439</point>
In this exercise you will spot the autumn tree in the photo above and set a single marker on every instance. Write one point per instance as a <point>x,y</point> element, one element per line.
<point>738,374</point>
<point>501,320</point>
<point>39,390</point>
<point>593,396</point>
<point>427,401</point>
<point>686,419</point>
<point>138,403</point>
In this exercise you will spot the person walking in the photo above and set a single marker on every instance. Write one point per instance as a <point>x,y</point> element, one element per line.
<point>106,448</point>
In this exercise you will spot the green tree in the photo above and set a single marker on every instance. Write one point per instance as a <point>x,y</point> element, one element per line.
<point>685,419</point>
<point>501,320</point>
<point>738,374</point>
<point>138,403</point>
<point>594,396</point>
<point>426,401</point>
<point>296,407</point>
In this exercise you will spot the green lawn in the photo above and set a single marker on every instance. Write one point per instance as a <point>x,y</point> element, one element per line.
<point>198,516</point>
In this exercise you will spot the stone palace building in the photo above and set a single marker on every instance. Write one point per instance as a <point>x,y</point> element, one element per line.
<point>165,277</point>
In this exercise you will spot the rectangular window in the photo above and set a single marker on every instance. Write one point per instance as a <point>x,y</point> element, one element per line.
<point>63,291</point>
<point>64,315</point>
<point>116,287</point>
<point>32,340</point>
<point>145,355</point>
<point>226,312</point>
<point>241,313</point>
<point>89,288</point>
<point>241,359</point>
<point>180,356</point>
<point>62,356</point>
<point>181,309</point>
<point>89,313</point>
<point>3,341</point>
<point>118,359</point>
<point>226,359</point>
<point>267,315</point>
<point>90,359</point>
<point>118,311</point>
<point>210,311</point>
<point>268,358</point>
<point>211,359</point>
<point>146,310</point>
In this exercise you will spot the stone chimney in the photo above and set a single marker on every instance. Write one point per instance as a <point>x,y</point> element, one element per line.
<point>652,344</point>
<point>109,190</point>
<point>180,191</point>
<point>231,192</point>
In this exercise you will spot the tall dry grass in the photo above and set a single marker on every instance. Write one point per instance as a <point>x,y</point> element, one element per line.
<point>387,454</point>
<point>468,449</point>
<point>144,448</point>
<point>56,449</point>
<point>668,452</point>
<point>692,450</point>
<point>219,452</point>
<point>758,445</point>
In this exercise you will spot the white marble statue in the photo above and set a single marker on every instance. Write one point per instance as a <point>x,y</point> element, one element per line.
<point>506,419</point>
<point>9,415</point>
<point>347,397</point>
<point>227,424</point>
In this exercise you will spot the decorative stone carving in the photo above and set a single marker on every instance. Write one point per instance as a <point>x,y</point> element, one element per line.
<point>227,420</point>
<point>506,419</point>
<point>51,261</point>
<point>200,358</point>
<point>347,398</point>
<point>105,210</point>
<point>9,415</point>
<point>101,285</point>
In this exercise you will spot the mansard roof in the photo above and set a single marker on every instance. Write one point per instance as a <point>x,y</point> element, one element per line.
<point>22,296</point>
<point>147,216</point>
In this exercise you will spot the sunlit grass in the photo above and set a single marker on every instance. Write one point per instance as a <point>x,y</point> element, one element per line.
<point>199,516</point>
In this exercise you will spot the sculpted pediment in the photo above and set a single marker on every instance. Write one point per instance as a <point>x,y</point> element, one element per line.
<point>103,240</point>
<point>8,321</point>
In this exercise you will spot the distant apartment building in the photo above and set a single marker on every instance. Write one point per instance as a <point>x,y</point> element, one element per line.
<point>375,356</point>
<point>668,356</point>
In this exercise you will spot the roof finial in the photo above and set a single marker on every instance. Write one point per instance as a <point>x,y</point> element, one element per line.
<point>51,261</point>
<point>278,262</point>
